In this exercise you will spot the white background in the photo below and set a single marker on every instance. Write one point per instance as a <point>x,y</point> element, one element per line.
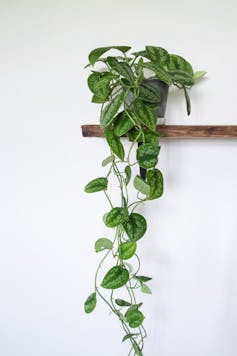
<point>48,225</point>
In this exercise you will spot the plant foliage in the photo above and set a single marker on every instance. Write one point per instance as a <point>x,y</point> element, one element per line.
<point>129,106</point>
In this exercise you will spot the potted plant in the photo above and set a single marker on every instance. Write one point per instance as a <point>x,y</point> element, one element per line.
<point>132,90</point>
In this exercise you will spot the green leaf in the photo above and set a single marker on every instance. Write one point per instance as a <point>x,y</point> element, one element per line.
<point>98,83</point>
<point>141,186</point>
<point>134,318</point>
<point>128,173</point>
<point>163,75</point>
<point>146,114</point>
<point>93,79</point>
<point>98,52</point>
<point>102,89</point>
<point>110,110</point>
<point>115,217</point>
<point>122,124</point>
<point>179,63</point>
<point>142,278</point>
<point>107,160</point>
<point>155,181</point>
<point>129,266</point>
<point>134,135</point>
<point>122,68</point>
<point>198,75</point>
<point>140,54</point>
<point>127,250</point>
<point>129,336</point>
<point>125,83</point>
<point>151,137</point>
<point>96,185</point>
<point>181,77</point>
<point>115,144</point>
<point>90,303</point>
<point>115,278</point>
<point>135,227</point>
<point>95,99</point>
<point>122,303</point>
<point>145,289</point>
<point>103,244</point>
<point>157,54</point>
<point>139,72</point>
<point>149,93</point>
<point>187,99</point>
<point>160,72</point>
<point>147,155</point>
<point>137,349</point>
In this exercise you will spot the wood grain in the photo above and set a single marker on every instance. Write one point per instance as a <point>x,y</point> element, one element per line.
<point>177,131</point>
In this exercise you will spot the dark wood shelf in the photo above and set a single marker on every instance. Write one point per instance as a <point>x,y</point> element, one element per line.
<point>177,131</point>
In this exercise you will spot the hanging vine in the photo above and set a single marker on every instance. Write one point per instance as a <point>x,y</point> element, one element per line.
<point>129,106</point>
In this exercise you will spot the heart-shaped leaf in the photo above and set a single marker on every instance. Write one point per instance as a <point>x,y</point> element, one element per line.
<point>115,278</point>
<point>103,244</point>
<point>135,227</point>
<point>179,63</point>
<point>92,80</point>
<point>157,54</point>
<point>98,83</point>
<point>115,217</point>
<point>147,155</point>
<point>151,137</point>
<point>96,185</point>
<point>127,250</point>
<point>155,181</point>
<point>134,317</point>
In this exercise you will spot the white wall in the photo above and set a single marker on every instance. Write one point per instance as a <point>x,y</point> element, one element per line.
<point>48,225</point>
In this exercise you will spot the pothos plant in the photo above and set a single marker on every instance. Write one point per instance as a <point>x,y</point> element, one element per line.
<point>129,105</point>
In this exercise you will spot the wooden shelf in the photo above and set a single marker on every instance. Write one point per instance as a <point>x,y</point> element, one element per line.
<point>177,131</point>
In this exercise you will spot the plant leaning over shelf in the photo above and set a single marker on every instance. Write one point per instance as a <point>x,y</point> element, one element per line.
<point>129,107</point>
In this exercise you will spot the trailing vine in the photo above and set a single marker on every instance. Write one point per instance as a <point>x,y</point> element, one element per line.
<point>129,106</point>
